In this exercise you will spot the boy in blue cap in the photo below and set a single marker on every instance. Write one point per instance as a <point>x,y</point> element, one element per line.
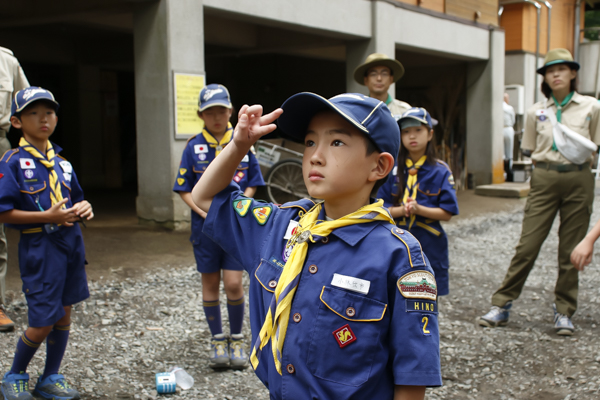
<point>343,303</point>
<point>41,197</point>
<point>215,108</point>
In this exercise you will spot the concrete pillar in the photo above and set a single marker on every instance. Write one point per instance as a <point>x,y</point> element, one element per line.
<point>521,70</point>
<point>485,89</point>
<point>168,36</point>
<point>382,18</point>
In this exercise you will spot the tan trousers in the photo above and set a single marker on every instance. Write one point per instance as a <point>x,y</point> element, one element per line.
<point>572,195</point>
<point>4,146</point>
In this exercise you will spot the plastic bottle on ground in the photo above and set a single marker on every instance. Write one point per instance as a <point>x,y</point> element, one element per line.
<point>183,379</point>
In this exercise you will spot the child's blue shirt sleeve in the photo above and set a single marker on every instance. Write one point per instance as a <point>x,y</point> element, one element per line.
<point>385,191</point>
<point>255,177</point>
<point>447,198</point>
<point>10,194</point>
<point>186,177</point>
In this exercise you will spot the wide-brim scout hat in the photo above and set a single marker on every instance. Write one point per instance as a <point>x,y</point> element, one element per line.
<point>214,95</point>
<point>370,116</point>
<point>558,56</point>
<point>374,60</point>
<point>414,117</point>
<point>25,97</point>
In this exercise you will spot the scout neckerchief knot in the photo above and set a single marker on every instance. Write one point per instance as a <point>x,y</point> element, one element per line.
<point>559,107</point>
<point>218,145</point>
<point>48,162</point>
<point>276,322</point>
<point>411,183</point>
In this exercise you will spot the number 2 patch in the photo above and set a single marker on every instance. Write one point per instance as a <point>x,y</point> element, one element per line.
<point>424,325</point>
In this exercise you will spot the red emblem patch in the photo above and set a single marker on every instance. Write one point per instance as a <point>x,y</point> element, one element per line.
<point>1,176</point>
<point>344,336</point>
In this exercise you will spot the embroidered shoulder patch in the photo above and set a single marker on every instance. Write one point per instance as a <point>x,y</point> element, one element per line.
<point>241,206</point>
<point>418,285</point>
<point>180,181</point>
<point>422,306</point>
<point>451,180</point>
<point>182,171</point>
<point>262,214</point>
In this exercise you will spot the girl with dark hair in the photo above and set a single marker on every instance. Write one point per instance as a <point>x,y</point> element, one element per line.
<point>561,182</point>
<point>420,192</point>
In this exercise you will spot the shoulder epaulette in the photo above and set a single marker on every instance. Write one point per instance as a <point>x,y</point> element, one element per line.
<point>7,51</point>
<point>11,151</point>
<point>59,156</point>
<point>190,138</point>
<point>415,252</point>
<point>304,204</point>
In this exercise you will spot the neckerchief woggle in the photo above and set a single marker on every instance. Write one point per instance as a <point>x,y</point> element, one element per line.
<point>48,162</point>
<point>559,112</point>
<point>218,144</point>
<point>278,315</point>
<point>411,183</point>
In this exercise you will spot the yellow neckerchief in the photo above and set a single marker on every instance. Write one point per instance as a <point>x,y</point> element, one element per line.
<point>276,322</point>
<point>48,162</point>
<point>411,183</point>
<point>218,145</point>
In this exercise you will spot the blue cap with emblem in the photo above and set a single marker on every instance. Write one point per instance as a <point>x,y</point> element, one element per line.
<point>414,117</point>
<point>25,97</point>
<point>214,95</point>
<point>370,116</point>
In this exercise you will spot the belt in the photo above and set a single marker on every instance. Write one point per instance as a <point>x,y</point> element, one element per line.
<point>49,228</point>
<point>561,167</point>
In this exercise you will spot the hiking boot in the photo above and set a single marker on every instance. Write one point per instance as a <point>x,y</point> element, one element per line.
<point>497,316</point>
<point>238,359</point>
<point>562,323</point>
<point>219,352</point>
<point>55,387</point>
<point>15,387</point>
<point>6,325</point>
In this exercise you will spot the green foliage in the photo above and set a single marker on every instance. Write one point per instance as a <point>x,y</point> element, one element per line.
<point>592,20</point>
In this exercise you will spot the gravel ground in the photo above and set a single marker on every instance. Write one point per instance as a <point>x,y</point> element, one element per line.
<point>130,329</point>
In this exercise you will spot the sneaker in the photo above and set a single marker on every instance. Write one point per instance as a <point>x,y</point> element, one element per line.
<point>16,387</point>
<point>562,323</point>
<point>6,325</point>
<point>238,359</point>
<point>219,349</point>
<point>497,316</point>
<point>55,387</point>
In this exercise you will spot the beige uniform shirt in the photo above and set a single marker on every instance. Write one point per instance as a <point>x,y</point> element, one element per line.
<point>398,107</point>
<point>12,79</point>
<point>581,114</point>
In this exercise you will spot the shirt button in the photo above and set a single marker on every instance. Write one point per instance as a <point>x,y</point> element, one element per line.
<point>313,269</point>
<point>297,317</point>
<point>290,369</point>
<point>350,311</point>
<point>31,188</point>
<point>325,239</point>
<point>273,284</point>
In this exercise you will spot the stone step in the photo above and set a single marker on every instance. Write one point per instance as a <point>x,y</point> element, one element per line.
<point>506,189</point>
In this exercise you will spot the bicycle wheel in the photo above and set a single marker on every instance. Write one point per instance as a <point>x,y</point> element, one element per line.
<point>285,182</point>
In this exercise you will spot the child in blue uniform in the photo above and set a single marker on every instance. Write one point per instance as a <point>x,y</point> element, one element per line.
<point>215,110</point>
<point>420,192</point>
<point>41,197</point>
<point>343,303</point>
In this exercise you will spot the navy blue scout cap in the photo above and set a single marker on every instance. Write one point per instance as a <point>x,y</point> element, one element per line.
<point>414,117</point>
<point>25,97</point>
<point>213,95</point>
<point>369,115</point>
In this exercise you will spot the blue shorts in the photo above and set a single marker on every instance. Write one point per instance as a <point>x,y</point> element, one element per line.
<point>52,269</point>
<point>210,257</point>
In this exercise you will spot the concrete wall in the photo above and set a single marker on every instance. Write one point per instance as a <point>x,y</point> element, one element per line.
<point>520,69</point>
<point>589,74</point>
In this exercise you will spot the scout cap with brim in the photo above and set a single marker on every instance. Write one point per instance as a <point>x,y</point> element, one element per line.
<point>414,117</point>
<point>374,60</point>
<point>558,56</point>
<point>370,116</point>
<point>214,95</point>
<point>25,97</point>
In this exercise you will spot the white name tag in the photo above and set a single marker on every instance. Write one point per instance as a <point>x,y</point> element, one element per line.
<point>200,148</point>
<point>540,112</point>
<point>246,158</point>
<point>27,163</point>
<point>66,166</point>
<point>350,283</point>
<point>291,229</point>
<point>67,176</point>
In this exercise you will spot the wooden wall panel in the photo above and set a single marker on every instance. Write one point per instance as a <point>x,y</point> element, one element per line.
<point>512,22</point>
<point>434,5</point>
<point>466,9</point>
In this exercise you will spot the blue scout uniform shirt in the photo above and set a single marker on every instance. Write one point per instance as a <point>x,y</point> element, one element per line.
<point>194,161</point>
<point>436,189</point>
<point>340,343</point>
<point>24,183</point>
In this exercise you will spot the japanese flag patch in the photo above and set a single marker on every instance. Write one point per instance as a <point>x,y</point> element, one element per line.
<point>200,148</point>
<point>27,163</point>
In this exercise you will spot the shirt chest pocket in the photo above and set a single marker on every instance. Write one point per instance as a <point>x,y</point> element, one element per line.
<point>267,274</point>
<point>345,337</point>
<point>33,188</point>
<point>429,191</point>
<point>6,89</point>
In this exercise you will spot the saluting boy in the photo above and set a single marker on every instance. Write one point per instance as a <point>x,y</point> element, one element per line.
<point>343,303</point>
<point>41,197</point>
<point>215,108</point>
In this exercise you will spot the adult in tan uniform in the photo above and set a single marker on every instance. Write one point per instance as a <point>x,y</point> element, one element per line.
<point>377,73</point>
<point>557,185</point>
<point>12,79</point>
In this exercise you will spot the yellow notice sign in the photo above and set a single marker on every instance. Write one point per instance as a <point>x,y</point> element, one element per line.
<point>186,88</point>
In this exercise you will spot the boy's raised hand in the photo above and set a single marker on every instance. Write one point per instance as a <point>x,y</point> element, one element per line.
<point>252,125</point>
